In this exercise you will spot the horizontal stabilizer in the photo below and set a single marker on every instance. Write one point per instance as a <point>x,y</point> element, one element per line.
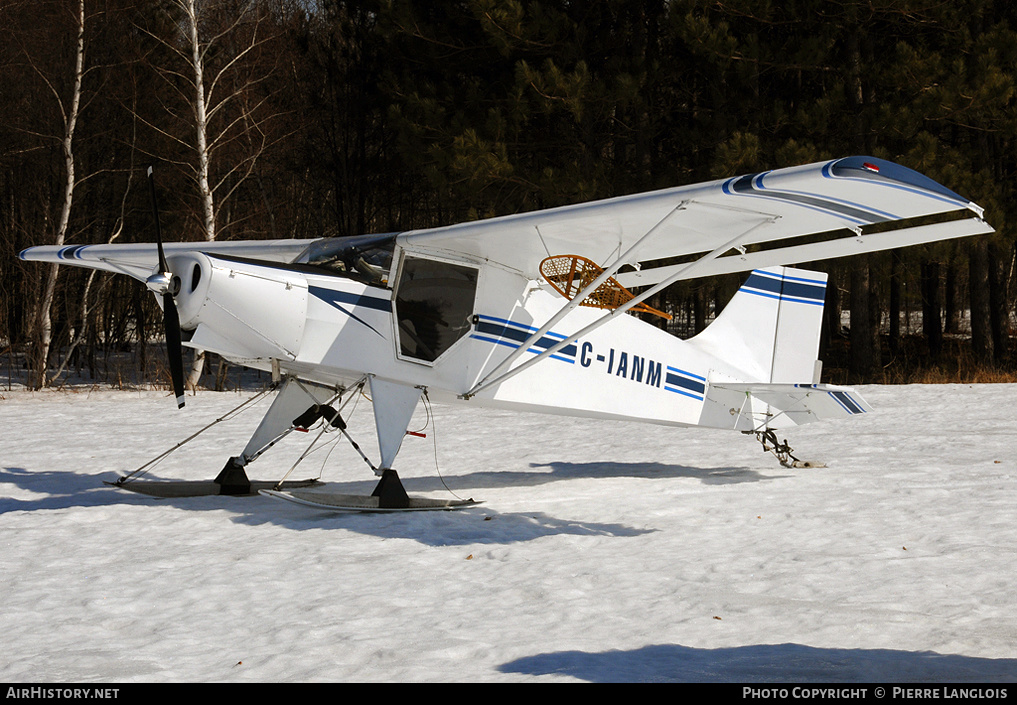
<point>755,406</point>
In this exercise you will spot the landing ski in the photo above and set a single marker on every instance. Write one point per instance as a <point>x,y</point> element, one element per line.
<point>200,488</point>
<point>363,503</point>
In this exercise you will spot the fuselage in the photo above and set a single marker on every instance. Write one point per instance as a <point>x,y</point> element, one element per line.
<point>443,324</point>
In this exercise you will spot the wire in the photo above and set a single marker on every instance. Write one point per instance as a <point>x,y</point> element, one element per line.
<point>162,456</point>
<point>434,441</point>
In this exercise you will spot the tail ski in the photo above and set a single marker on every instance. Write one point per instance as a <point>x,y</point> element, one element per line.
<point>769,336</point>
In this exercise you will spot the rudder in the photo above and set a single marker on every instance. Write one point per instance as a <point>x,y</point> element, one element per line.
<point>770,329</point>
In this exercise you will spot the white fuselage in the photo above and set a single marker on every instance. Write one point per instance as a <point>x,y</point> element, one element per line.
<point>334,329</point>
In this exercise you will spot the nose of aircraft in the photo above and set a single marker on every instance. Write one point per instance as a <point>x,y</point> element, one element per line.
<point>190,275</point>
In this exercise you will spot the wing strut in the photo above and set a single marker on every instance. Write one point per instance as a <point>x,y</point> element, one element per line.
<point>575,301</point>
<point>683,272</point>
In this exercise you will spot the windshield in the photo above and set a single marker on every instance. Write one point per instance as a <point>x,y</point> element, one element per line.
<point>367,258</point>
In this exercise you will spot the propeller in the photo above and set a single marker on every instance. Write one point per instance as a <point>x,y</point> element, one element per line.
<point>163,283</point>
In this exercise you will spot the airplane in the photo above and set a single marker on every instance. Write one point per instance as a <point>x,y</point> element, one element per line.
<point>534,311</point>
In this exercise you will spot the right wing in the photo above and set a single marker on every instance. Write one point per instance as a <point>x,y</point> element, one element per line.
<point>798,214</point>
<point>140,260</point>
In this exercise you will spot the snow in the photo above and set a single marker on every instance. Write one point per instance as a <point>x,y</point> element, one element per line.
<point>602,551</point>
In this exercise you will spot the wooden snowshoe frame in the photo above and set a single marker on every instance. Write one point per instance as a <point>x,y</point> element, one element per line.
<point>570,274</point>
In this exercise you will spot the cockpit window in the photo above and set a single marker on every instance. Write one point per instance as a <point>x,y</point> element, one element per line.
<point>366,258</point>
<point>433,306</point>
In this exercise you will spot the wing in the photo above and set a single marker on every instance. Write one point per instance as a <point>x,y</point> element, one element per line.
<point>140,260</point>
<point>799,214</point>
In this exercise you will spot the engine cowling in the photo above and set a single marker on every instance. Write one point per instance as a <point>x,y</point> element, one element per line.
<point>240,309</point>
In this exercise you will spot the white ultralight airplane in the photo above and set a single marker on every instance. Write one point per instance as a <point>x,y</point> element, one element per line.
<point>528,311</point>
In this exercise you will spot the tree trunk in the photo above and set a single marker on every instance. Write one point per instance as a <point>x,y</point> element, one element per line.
<point>951,295</point>
<point>981,326</point>
<point>865,357</point>
<point>932,324</point>
<point>201,146</point>
<point>831,328</point>
<point>896,266</point>
<point>44,321</point>
<point>999,313</point>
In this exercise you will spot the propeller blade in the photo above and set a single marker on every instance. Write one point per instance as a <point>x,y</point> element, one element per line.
<point>171,319</point>
<point>163,267</point>
<point>174,349</point>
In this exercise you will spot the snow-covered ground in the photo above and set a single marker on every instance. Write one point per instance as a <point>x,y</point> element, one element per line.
<point>602,552</point>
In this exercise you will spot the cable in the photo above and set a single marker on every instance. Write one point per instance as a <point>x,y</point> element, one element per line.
<point>159,458</point>
<point>434,441</point>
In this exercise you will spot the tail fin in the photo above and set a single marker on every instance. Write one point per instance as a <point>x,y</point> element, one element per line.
<point>770,330</point>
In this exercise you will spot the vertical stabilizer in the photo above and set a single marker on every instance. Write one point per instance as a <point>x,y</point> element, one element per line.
<point>770,329</point>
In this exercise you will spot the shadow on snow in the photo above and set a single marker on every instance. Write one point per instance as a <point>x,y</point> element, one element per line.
<point>481,524</point>
<point>762,663</point>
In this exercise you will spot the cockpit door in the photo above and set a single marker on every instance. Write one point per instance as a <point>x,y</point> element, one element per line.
<point>433,306</point>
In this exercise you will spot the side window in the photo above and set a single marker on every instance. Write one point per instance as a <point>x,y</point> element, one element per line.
<point>433,306</point>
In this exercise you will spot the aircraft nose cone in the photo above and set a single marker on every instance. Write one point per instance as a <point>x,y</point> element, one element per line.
<point>163,283</point>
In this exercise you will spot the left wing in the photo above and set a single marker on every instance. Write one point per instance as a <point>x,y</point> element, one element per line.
<point>140,260</point>
<point>846,206</point>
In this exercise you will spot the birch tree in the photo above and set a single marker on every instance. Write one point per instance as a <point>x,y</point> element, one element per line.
<point>69,106</point>
<point>214,48</point>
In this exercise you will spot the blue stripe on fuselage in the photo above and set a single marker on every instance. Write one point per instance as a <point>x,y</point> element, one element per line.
<point>511,334</point>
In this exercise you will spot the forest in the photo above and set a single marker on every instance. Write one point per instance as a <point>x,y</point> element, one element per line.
<point>313,118</point>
